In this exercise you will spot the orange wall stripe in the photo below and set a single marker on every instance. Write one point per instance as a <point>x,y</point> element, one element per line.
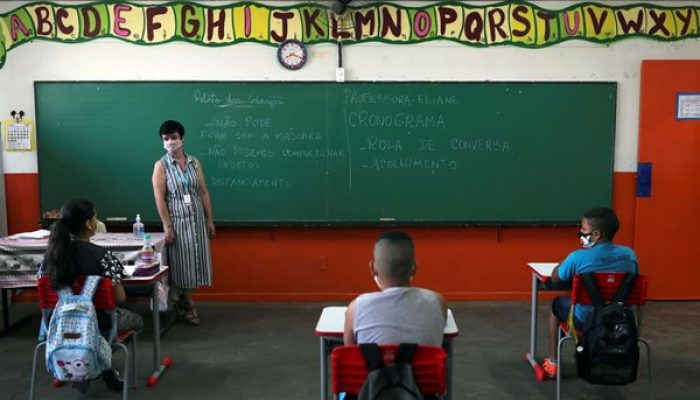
<point>321,264</point>
<point>22,192</point>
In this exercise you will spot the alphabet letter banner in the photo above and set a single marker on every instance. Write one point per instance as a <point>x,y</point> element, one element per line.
<point>516,23</point>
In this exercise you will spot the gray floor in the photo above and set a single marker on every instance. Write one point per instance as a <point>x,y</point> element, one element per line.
<point>268,351</point>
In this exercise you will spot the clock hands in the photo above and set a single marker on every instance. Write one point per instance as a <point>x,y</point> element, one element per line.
<point>292,54</point>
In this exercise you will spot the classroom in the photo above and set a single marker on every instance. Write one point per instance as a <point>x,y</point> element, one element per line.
<point>483,129</point>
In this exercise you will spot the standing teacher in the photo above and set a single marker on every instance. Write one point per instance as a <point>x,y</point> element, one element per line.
<point>185,209</point>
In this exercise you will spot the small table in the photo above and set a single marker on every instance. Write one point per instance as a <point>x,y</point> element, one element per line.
<point>541,273</point>
<point>329,329</point>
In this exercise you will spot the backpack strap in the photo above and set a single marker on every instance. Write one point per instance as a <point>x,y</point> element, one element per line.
<point>405,353</point>
<point>624,291</point>
<point>65,292</point>
<point>90,285</point>
<point>572,325</point>
<point>373,359</point>
<point>592,289</point>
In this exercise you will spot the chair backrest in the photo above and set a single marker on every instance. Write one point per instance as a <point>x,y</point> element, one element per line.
<point>608,283</point>
<point>103,299</point>
<point>348,369</point>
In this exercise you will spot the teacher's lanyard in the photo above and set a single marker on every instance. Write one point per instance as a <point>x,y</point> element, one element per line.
<point>186,198</point>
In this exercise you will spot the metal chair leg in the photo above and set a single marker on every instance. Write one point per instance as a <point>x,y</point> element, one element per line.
<point>125,384</point>
<point>559,347</point>
<point>132,345</point>
<point>651,386</point>
<point>125,389</point>
<point>32,383</point>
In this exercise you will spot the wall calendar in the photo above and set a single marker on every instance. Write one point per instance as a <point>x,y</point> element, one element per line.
<point>18,136</point>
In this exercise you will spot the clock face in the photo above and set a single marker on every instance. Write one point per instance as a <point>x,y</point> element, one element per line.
<point>292,54</point>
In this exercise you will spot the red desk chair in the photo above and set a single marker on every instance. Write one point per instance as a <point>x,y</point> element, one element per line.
<point>103,300</point>
<point>608,283</point>
<point>349,371</point>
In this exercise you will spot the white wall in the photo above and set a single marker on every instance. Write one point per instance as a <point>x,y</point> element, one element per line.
<point>3,201</point>
<point>110,59</point>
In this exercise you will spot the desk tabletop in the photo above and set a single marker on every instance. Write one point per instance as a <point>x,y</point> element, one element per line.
<point>543,270</point>
<point>113,241</point>
<point>332,322</point>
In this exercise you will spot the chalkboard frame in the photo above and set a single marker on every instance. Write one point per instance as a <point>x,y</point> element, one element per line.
<point>356,223</point>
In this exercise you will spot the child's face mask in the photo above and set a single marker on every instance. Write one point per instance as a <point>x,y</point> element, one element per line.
<point>586,239</point>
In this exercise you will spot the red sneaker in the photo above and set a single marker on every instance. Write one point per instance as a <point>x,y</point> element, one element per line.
<point>550,368</point>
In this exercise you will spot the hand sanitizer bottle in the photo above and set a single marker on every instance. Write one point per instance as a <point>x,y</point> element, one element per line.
<point>138,227</point>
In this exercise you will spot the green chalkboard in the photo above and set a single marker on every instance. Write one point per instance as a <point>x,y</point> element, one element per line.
<point>329,153</point>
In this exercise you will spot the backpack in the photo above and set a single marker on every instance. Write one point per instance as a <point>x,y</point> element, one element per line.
<point>394,382</point>
<point>76,351</point>
<point>608,353</point>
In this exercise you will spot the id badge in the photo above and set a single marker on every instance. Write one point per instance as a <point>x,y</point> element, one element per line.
<point>187,199</point>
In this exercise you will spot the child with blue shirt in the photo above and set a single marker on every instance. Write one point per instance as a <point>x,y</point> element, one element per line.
<point>599,254</point>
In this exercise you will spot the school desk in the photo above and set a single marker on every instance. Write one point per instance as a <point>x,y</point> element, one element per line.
<point>329,329</point>
<point>541,273</point>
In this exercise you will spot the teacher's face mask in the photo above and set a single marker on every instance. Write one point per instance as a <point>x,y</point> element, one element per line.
<point>172,145</point>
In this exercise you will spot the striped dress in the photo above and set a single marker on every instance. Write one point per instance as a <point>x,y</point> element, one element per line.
<point>189,255</point>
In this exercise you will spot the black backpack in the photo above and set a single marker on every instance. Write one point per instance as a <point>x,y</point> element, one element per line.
<point>608,353</point>
<point>394,382</point>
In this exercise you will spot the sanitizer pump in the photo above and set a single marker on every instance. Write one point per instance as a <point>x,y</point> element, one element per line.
<point>138,227</point>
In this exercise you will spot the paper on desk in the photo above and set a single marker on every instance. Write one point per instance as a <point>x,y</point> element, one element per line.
<point>39,234</point>
<point>129,270</point>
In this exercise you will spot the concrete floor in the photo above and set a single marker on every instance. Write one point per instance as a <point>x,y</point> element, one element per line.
<point>268,351</point>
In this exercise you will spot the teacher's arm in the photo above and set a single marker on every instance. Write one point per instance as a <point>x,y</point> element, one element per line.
<point>206,200</point>
<point>159,190</point>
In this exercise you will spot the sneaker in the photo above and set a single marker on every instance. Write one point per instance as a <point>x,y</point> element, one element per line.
<point>113,381</point>
<point>550,368</point>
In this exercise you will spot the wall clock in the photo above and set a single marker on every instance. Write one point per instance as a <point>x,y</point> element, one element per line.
<point>292,54</point>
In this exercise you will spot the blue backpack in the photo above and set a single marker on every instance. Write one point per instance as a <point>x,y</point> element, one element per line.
<point>76,351</point>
